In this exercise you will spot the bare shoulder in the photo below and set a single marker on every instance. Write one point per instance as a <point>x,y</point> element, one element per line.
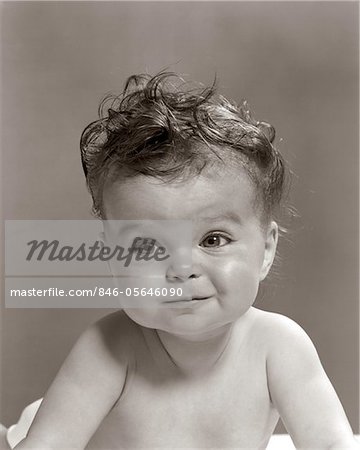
<point>88,384</point>
<point>114,334</point>
<point>276,329</point>
<point>299,387</point>
<point>285,342</point>
<point>101,347</point>
<point>291,357</point>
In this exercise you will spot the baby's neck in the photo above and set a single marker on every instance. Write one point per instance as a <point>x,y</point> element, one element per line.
<point>195,355</point>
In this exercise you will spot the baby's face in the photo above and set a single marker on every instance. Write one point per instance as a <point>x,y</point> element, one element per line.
<point>230,252</point>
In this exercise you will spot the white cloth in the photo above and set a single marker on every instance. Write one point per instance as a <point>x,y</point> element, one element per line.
<point>18,431</point>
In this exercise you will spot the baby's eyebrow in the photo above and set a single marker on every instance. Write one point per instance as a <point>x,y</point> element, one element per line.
<point>133,226</point>
<point>228,216</point>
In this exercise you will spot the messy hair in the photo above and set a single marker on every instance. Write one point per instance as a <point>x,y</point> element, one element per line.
<point>165,128</point>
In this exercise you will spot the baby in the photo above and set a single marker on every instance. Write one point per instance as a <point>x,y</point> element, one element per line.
<point>209,370</point>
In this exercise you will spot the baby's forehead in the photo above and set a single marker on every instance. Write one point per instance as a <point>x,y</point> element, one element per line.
<point>208,196</point>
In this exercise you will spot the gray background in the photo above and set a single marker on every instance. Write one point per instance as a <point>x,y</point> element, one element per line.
<point>296,64</point>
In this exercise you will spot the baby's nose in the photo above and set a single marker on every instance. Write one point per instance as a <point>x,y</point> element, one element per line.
<point>180,273</point>
<point>180,267</point>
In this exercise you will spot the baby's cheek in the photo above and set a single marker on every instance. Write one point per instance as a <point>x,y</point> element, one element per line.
<point>237,279</point>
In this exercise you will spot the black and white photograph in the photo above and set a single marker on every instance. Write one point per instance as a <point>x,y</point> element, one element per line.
<point>180,225</point>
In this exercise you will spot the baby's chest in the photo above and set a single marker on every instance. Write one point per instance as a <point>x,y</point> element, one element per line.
<point>223,411</point>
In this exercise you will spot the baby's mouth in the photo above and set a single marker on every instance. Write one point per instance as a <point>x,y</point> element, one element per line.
<point>184,300</point>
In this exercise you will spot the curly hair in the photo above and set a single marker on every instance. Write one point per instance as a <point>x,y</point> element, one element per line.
<point>169,130</point>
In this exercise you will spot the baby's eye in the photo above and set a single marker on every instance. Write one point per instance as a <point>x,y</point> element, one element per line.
<point>215,240</point>
<point>145,244</point>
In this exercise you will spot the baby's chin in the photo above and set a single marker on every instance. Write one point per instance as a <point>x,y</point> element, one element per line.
<point>176,322</point>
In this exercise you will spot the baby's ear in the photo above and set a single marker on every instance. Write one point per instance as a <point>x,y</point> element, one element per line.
<point>271,240</point>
